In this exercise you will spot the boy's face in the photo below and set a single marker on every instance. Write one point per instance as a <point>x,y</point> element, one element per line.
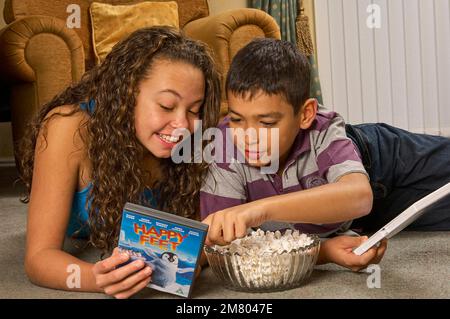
<point>264,111</point>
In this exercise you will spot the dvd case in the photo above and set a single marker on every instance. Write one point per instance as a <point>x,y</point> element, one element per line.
<point>171,245</point>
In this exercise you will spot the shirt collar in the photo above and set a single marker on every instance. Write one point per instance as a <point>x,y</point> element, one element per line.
<point>301,145</point>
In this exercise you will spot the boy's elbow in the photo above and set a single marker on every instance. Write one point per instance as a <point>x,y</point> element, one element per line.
<point>364,202</point>
<point>359,195</point>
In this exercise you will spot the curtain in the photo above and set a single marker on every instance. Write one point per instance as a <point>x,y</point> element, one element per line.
<point>315,89</point>
<point>285,14</point>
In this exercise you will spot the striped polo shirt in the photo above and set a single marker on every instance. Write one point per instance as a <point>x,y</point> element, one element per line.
<point>320,155</point>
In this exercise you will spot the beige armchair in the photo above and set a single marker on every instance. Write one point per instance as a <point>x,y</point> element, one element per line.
<point>40,56</point>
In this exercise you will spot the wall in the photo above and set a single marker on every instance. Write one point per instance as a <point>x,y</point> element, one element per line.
<point>386,61</point>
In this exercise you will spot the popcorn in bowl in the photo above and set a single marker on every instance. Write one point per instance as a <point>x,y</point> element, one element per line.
<point>265,261</point>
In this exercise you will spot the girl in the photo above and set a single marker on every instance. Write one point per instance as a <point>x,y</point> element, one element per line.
<point>101,143</point>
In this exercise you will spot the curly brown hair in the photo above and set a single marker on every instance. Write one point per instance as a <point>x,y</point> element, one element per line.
<point>118,173</point>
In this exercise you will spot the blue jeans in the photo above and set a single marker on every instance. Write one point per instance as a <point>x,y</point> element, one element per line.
<point>403,167</point>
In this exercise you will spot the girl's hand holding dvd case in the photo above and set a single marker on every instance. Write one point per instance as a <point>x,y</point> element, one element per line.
<point>171,245</point>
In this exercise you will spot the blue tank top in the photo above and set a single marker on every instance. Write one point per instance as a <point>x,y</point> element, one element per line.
<point>79,213</point>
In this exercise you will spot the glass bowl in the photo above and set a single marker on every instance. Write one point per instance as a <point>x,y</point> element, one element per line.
<point>267,272</point>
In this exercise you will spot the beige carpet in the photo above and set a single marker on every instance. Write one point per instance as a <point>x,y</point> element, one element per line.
<point>416,265</point>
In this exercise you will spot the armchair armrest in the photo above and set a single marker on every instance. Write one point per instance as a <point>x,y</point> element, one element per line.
<point>39,57</point>
<point>36,44</point>
<point>227,32</point>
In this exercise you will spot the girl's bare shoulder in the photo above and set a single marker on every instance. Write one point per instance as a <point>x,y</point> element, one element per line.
<point>69,113</point>
<point>65,125</point>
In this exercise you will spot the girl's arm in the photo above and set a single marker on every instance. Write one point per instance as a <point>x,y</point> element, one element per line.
<point>57,164</point>
<point>57,161</point>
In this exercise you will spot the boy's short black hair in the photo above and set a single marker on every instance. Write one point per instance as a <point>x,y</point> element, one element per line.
<point>272,66</point>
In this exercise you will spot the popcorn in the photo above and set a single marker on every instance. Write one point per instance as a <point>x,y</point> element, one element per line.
<point>265,260</point>
<point>260,242</point>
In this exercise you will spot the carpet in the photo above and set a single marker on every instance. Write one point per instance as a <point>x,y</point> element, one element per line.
<point>416,265</point>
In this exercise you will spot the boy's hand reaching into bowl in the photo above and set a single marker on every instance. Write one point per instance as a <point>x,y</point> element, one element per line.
<point>228,224</point>
<point>124,281</point>
<point>339,250</point>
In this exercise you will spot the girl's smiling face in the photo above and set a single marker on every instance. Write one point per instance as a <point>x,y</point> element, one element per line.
<point>170,98</point>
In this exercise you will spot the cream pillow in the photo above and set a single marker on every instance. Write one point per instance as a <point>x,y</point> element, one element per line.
<point>112,23</point>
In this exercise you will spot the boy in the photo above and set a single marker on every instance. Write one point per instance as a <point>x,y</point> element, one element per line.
<point>321,185</point>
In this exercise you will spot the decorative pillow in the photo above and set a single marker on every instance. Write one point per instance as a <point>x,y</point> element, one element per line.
<point>112,23</point>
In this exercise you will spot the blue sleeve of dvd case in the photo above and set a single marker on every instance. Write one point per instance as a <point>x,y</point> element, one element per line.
<point>171,249</point>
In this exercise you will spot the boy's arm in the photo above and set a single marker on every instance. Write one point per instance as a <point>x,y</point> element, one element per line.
<point>344,200</point>
<point>223,187</point>
<point>349,198</point>
<point>339,250</point>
